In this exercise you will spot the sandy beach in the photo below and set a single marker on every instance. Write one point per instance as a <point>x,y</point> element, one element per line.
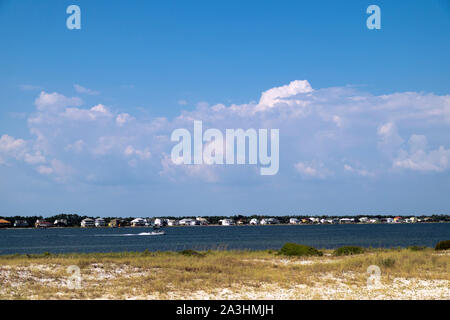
<point>253,275</point>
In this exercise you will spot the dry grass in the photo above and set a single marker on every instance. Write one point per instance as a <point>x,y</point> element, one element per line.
<point>405,274</point>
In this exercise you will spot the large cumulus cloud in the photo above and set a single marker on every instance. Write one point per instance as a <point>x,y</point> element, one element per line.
<point>325,133</point>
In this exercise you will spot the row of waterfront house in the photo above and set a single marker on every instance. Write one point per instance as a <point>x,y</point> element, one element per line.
<point>37,224</point>
<point>143,222</point>
<point>200,221</point>
<point>314,220</point>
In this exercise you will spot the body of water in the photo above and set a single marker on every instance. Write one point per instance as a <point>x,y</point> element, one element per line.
<point>67,240</point>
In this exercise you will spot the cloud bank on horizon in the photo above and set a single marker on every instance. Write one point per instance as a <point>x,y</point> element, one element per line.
<point>330,133</point>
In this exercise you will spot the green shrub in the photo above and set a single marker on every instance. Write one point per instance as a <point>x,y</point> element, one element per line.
<point>293,249</point>
<point>348,250</point>
<point>417,248</point>
<point>388,262</point>
<point>191,253</point>
<point>443,245</point>
<point>147,252</point>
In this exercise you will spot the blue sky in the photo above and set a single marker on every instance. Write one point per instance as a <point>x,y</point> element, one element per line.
<point>371,136</point>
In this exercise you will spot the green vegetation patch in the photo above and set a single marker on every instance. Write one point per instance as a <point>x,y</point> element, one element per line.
<point>417,248</point>
<point>387,262</point>
<point>293,249</point>
<point>348,250</point>
<point>191,253</point>
<point>443,245</point>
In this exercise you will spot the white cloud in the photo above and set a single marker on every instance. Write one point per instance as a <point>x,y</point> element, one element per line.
<point>59,171</point>
<point>360,172</point>
<point>182,172</point>
<point>35,158</point>
<point>326,124</point>
<point>19,149</point>
<point>417,142</point>
<point>44,170</point>
<point>277,95</point>
<point>92,114</point>
<point>123,118</point>
<point>415,106</point>
<point>54,101</point>
<point>390,140</point>
<point>312,170</point>
<point>142,154</point>
<point>107,144</point>
<point>337,120</point>
<point>100,109</point>
<point>81,89</point>
<point>78,146</point>
<point>11,145</point>
<point>419,159</point>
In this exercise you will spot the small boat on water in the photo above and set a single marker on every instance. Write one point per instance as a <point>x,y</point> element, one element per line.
<point>157,231</point>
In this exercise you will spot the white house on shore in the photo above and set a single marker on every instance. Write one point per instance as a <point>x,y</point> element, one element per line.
<point>327,221</point>
<point>172,222</point>
<point>100,222</point>
<point>227,222</point>
<point>42,224</point>
<point>411,220</point>
<point>87,223</point>
<point>254,221</point>
<point>314,220</point>
<point>346,220</point>
<point>138,222</point>
<point>186,222</point>
<point>294,221</point>
<point>60,223</point>
<point>202,221</point>
<point>269,221</point>
<point>160,222</point>
<point>21,223</point>
<point>388,220</point>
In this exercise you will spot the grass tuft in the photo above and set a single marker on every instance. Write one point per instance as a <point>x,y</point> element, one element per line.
<point>387,262</point>
<point>348,250</point>
<point>192,253</point>
<point>417,248</point>
<point>443,245</point>
<point>293,249</point>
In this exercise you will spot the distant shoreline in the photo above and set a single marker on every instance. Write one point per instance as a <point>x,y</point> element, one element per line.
<point>218,225</point>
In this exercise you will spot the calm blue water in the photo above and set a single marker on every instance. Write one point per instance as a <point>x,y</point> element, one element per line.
<point>235,237</point>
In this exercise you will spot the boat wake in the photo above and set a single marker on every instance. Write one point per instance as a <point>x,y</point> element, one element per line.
<point>140,234</point>
<point>132,234</point>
